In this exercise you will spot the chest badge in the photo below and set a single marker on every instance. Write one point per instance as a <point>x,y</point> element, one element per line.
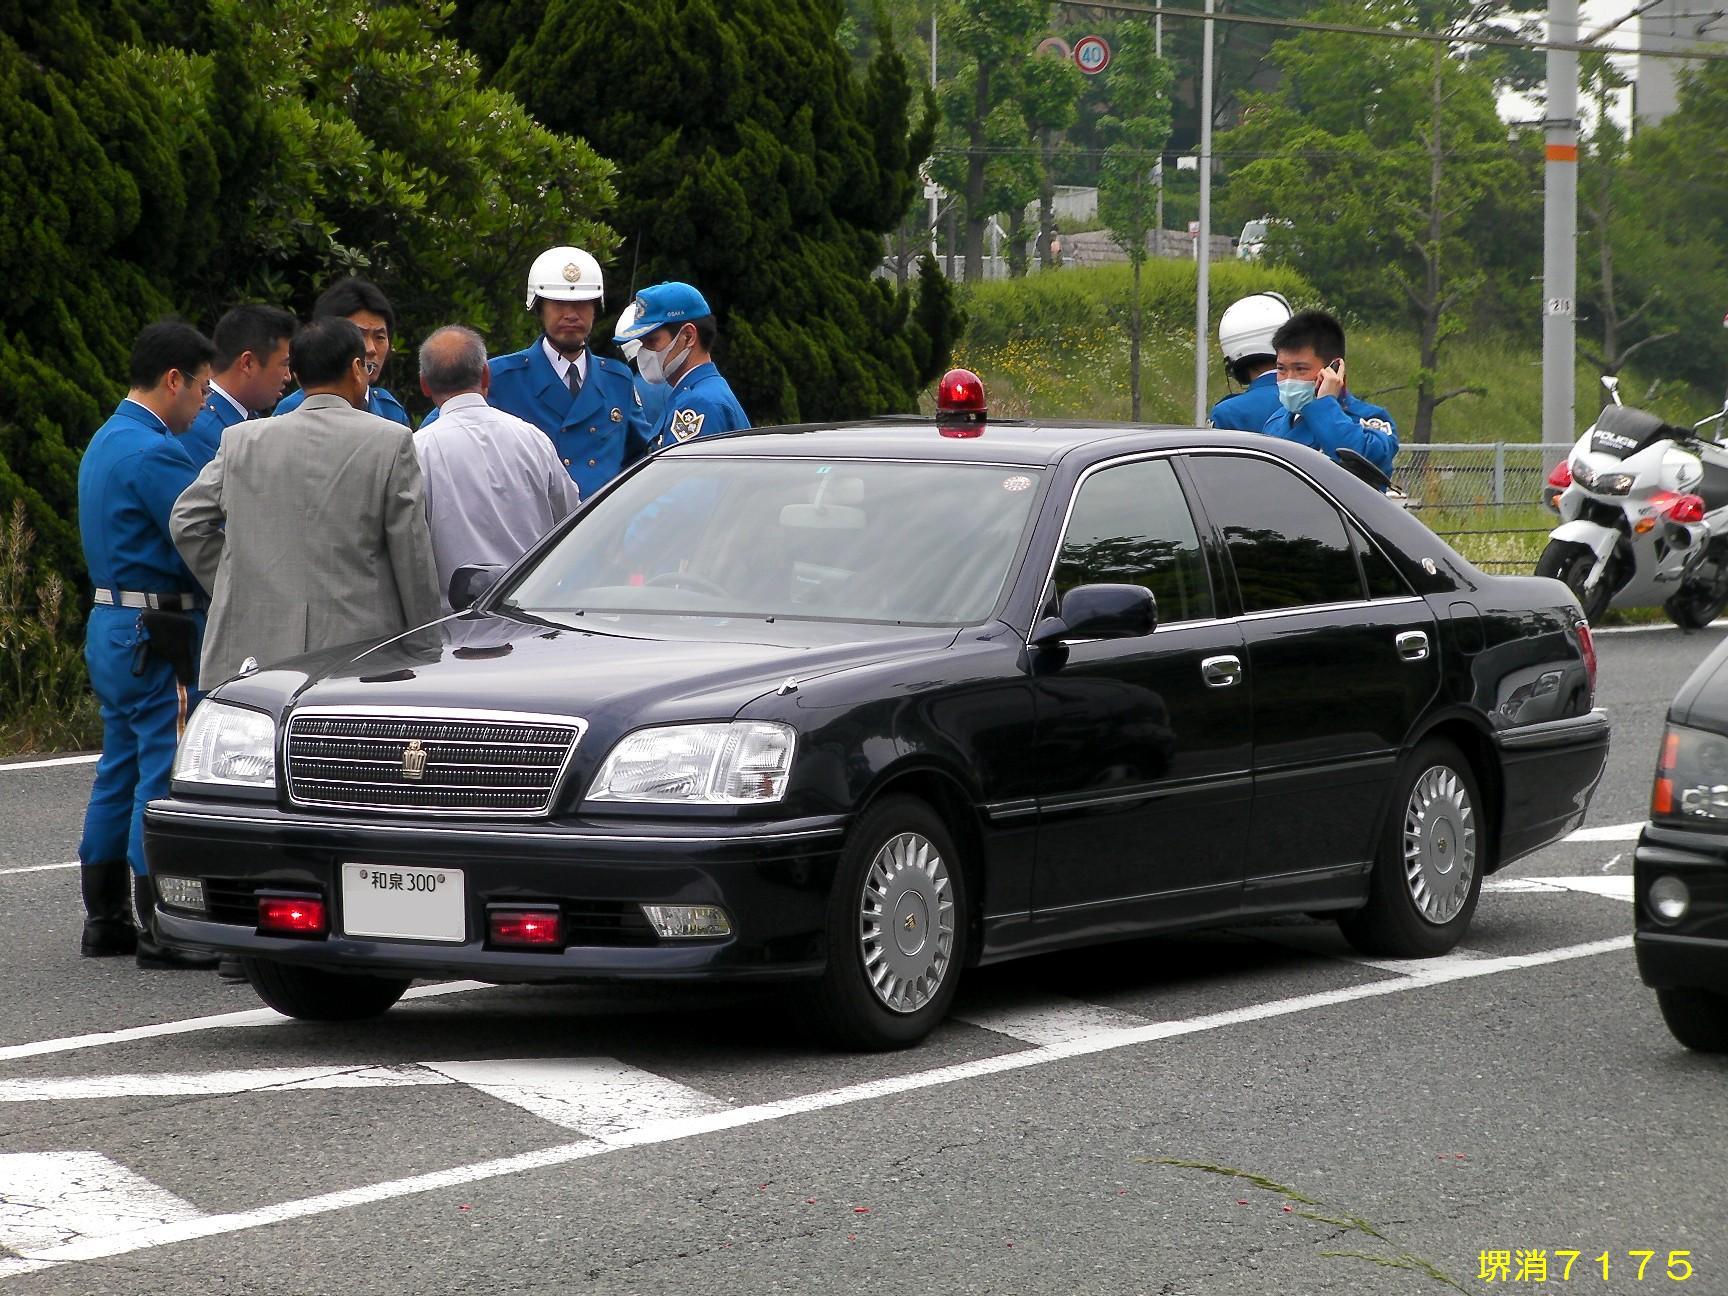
<point>414,761</point>
<point>687,424</point>
<point>617,415</point>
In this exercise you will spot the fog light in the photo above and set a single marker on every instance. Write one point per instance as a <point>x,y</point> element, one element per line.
<point>181,892</point>
<point>1669,899</point>
<point>291,916</point>
<point>532,928</point>
<point>673,921</point>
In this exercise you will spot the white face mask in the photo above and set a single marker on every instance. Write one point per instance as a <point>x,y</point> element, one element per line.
<point>658,367</point>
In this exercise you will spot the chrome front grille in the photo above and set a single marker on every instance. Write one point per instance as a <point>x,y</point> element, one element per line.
<point>474,762</point>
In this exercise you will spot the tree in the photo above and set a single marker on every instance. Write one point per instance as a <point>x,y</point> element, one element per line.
<point>1050,89</point>
<point>1388,159</point>
<point>757,165</point>
<point>1136,127</point>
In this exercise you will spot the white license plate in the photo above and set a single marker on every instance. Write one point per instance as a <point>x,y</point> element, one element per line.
<point>429,904</point>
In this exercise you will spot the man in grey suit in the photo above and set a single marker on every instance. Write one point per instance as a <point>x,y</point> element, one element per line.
<point>309,529</point>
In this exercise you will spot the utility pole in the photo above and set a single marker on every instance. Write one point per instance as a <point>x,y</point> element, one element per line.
<point>935,200</point>
<point>1158,166</point>
<point>1560,229</point>
<point>1203,250</point>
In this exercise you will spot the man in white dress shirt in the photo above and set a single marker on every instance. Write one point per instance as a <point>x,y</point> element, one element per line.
<point>494,484</point>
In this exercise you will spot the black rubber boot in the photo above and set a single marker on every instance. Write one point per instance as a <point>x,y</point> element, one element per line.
<point>151,952</point>
<point>108,928</point>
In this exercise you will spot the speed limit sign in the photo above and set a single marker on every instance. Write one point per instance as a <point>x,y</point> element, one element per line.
<point>1092,54</point>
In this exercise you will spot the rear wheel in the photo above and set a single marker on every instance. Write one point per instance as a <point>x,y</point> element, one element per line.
<point>1697,1018</point>
<point>1700,599</point>
<point>896,931</point>
<point>1571,563</point>
<point>312,994</point>
<point>1428,873</point>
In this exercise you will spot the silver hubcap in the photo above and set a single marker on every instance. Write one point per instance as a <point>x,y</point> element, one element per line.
<point>1439,845</point>
<point>906,923</point>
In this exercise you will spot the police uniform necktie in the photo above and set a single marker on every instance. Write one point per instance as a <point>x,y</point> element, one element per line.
<point>574,376</point>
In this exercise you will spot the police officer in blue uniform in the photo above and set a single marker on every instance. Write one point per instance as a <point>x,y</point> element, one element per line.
<point>251,371</point>
<point>1245,337</point>
<point>141,643</point>
<point>586,403</point>
<point>1315,407</point>
<point>675,326</point>
<point>364,305</point>
<point>651,395</point>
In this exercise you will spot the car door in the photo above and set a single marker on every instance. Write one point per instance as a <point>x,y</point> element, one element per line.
<point>1343,660</point>
<point>1143,744</point>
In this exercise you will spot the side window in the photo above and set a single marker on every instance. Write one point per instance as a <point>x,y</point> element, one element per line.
<point>1131,526</point>
<point>1286,541</point>
<point>1382,577</point>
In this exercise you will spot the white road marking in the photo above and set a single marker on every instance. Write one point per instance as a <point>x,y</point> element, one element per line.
<point>55,1199</point>
<point>1048,1019</point>
<point>38,868</point>
<point>679,1128</point>
<point>49,763</point>
<point>1609,866</point>
<point>1607,833</point>
<point>1617,887</point>
<point>600,1097</point>
<point>191,1025</point>
<point>1647,629</point>
<point>201,1083</point>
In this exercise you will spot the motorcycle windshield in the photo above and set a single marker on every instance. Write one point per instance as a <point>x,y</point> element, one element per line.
<point>1622,431</point>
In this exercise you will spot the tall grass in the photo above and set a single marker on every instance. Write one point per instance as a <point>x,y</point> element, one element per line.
<point>45,702</point>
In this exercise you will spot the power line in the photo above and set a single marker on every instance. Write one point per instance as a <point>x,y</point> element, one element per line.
<point>1394,33</point>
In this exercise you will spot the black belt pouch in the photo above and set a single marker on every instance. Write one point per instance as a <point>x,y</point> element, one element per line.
<point>173,639</point>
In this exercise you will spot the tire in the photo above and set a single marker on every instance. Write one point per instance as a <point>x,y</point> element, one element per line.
<point>1570,563</point>
<point>1697,603</point>
<point>1427,874</point>
<point>1697,1018</point>
<point>311,994</point>
<point>888,984</point>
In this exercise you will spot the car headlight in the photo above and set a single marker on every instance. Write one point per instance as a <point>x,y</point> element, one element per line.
<point>739,763</point>
<point>228,745</point>
<point>1691,776</point>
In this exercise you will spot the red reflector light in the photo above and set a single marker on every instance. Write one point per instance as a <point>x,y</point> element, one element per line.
<point>533,928</point>
<point>1562,474</point>
<point>1662,794</point>
<point>961,394</point>
<point>1587,647</point>
<point>291,915</point>
<point>1686,508</point>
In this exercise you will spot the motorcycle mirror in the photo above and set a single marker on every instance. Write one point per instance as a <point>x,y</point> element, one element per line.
<point>1612,383</point>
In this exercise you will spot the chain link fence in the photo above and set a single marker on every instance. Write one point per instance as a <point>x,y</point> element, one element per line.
<point>1485,498</point>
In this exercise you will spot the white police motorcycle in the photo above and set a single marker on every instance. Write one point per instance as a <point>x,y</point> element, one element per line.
<point>1644,517</point>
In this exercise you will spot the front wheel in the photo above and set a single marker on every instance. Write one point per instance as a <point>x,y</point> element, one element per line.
<point>1427,875</point>
<point>311,994</point>
<point>1697,1018</point>
<point>1571,563</point>
<point>896,931</point>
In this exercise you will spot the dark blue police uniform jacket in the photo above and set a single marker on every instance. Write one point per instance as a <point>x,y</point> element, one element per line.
<point>1248,410</point>
<point>378,401</point>
<point>1328,424</point>
<point>701,404</point>
<point>204,437</point>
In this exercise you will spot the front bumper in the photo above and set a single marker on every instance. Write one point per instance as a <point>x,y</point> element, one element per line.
<point>773,880</point>
<point>1694,951</point>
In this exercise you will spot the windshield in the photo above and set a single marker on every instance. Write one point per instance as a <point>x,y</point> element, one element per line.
<point>920,543</point>
<point>1255,229</point>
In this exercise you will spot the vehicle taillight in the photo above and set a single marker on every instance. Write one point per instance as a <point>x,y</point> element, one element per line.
<point>1662,793</point>
<point>291,916</point>
<point>1587,648</point>
<point>1685,508</point>
<point>1562,474</point>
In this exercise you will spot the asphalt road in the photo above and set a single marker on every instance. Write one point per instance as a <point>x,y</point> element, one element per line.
<point>1251,1111</point>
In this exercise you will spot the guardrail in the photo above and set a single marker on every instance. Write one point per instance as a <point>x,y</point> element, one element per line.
<point>1485,498</point>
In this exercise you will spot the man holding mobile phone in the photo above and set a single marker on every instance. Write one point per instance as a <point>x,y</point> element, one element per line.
<point>1315,407</point>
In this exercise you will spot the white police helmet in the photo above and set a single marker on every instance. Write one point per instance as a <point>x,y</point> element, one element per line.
<point>565,274</point>
<point>1247,326</point>
<point>626,323</point>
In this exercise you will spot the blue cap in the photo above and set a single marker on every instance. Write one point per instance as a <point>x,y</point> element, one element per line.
<point>662,306</point>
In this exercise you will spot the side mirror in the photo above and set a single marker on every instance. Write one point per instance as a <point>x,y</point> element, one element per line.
<point>469,584</point>
<point>1100,612</point>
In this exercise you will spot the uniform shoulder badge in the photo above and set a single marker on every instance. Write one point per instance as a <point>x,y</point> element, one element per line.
<point>687,423</point>
<point>1376,424</point>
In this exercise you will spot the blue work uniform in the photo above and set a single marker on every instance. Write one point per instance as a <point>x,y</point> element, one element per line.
<point>1248,410</point>
<point>1331,423</point>
<point>701,404</point>
<point>378,401</point>
<point>204,437</point>
<point>652,397</point>
<point>131,474</point>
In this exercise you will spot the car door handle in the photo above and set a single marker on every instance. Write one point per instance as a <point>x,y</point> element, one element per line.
<point>1412,645</point>
<point>1221,672</point>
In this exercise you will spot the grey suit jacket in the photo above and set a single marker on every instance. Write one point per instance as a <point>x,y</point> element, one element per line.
<point>309,531</point>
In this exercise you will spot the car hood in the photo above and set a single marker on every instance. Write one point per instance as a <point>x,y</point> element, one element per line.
<point>511,663</point>
<point>1702,701</point>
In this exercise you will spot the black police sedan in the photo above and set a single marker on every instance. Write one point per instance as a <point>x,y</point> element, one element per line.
<point>860,706</point>
<point>1680,869</point>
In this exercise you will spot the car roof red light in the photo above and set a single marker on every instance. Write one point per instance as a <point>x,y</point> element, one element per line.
<point>960,397</point>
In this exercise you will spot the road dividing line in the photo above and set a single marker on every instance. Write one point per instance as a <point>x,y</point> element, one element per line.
<point>38,868</point>
<point>675,1129</point>
<point>1607,833</point>
<point>49,764</point>
<point>600,1097</point>
<point>54,1199</point>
